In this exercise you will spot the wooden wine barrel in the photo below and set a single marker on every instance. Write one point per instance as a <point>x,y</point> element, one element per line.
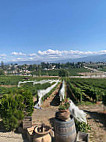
<point>64,131</point>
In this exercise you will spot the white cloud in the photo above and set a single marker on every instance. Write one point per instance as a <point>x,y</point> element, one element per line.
<point>50,52</point>
<point>32,54</point>
<point>3,55</point>
<point>31,58</point>
<point>18,59</point>
<point>68,54</point>
<point>103,52</point>
<point>49,55</point>
<point>18,53</point>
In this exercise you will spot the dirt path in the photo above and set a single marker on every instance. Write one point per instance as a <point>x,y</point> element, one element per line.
<point>11,137</point>
<point>49,107</point>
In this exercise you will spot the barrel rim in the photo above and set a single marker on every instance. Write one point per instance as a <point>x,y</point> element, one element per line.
<point>70,120</point>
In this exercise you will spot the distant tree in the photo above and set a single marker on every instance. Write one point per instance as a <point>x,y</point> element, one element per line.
<point>63,73</point>
<point>12,67</point>
<point>1,72</point>
<point>2,64</point>
<point>58,65</point>
<point>30,68</point>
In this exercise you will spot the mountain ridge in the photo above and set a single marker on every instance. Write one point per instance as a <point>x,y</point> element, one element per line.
<point>93,58</point>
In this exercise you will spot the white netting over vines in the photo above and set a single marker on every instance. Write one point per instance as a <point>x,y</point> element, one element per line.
<point>22,82</point>
<point>62,91</point>
<point>43,92</point>
<point>78,114</point>
<point>37,82</point>
<point>44,81</point>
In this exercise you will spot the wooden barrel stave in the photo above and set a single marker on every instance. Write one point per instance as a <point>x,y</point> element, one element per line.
<point>65,131</point>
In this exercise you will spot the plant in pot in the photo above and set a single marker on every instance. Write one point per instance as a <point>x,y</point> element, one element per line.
<point>63,111</point>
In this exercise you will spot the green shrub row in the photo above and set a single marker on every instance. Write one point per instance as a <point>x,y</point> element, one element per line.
<point>13,108</point>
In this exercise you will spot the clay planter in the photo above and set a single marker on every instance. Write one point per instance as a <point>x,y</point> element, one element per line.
<point>42,134</point>
<point>63,114</point>
<point>99,102</point>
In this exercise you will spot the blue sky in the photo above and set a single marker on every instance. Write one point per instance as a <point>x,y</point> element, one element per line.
<point>51,29</point>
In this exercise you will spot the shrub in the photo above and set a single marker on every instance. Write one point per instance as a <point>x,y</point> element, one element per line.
<point>13,107</point>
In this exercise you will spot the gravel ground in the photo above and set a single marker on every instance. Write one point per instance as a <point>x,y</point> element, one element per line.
<point>11,137</point>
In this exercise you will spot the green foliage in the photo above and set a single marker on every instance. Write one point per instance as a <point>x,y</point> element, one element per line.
<point>33,88</point>
<point>55,72</point>
<point>10,123</point>
<point>82,126</point>
<point>28,101</point>
<point>75,71</point>
<point>63,73</point>
<point>100,83</point>
<point>77,92</point>
<point>11,80</point>
<point>10,113</point>
<point>87,103</point>
<point>47,72</point>
<point>13,107</point>
<point>65,104</point>
<point>27,86</point>
<point>1,72</point>
<point>4,90</point>
<point>62,107</point>
<point>88,89</point>
<point>103,69</point>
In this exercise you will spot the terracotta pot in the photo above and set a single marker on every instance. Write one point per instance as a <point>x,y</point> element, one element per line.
<point>63,114</point>
<point>64,110</point>
<point>98,103</point>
